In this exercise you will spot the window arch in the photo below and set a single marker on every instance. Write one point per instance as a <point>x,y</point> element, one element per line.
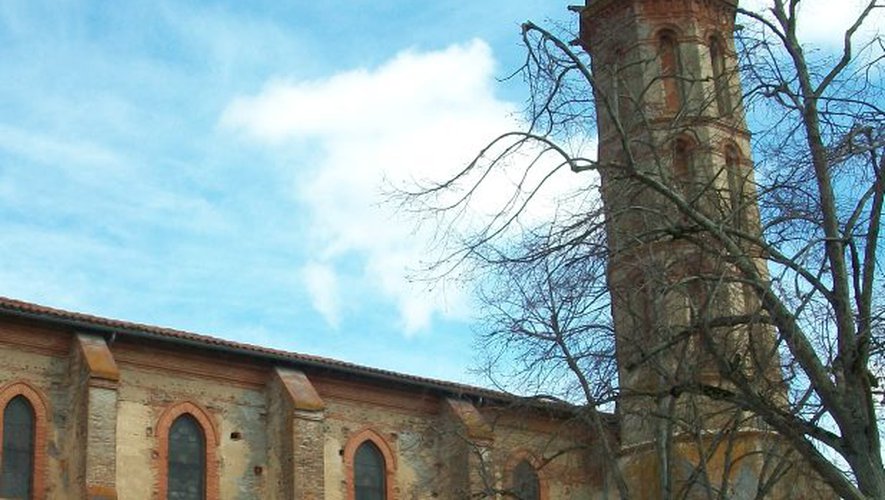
<point>524,478</point>
<point>671,69</point>
<point>526,484</point>
<point>720,76</point>
<point>22,442</point>
<point>368,473</point>
<point>16,479</point>
<point>187,443</point>
<point>369,466</point>
<point>186,463</point>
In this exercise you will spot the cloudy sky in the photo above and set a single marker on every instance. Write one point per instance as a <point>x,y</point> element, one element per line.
<point>217,166</point>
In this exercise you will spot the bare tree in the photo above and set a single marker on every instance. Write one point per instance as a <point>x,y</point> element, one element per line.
<point>549,326</point>
<point>797,243</point>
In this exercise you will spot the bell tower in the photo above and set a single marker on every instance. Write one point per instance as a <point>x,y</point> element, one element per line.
<point>669,111</point>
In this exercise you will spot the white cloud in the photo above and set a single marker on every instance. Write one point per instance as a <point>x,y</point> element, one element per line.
<point>419,115</point>
<point>322,285</point>
<point>411,89</point>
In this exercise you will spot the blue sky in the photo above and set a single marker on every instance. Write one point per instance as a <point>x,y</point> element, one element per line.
<point>217,166</point>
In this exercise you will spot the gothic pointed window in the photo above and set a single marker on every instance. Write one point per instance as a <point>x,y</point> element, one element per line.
<point>720,77</point>
<point>186,463</point>
<point>668,49</point>
<point>369,473</point>
<point>16,477</point>
<point>526,485</point>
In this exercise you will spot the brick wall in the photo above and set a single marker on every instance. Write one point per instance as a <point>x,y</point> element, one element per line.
<point>271,432</point>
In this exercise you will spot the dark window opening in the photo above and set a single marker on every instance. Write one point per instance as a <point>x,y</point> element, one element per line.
<point>16,478</point>
<point>683,172</point>
<point>720,78</point>
<point>186,460</point>
<point>670,70</point>
<point>735,184</point>
<point>368,473</point>
<point>621,105</point>
<point>526,485</point>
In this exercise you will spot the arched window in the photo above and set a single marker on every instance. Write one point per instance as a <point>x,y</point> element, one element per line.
<point>671,70</point>
<point>23,417</point>
<point>735,182</point>
<point>720,78</point>
<point>683,173</point>
<point>370,467</point>
<point>368,473</point>
<point>19,432</point>
<point>186,462</point>
<point>187,443</point>
<point>525,481</point>
<point>619,92</point>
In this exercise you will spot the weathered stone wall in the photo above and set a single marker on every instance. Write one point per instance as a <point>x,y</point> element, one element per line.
<point>271,432</point>
<point>39,358</point>
<point>232,396</point>
<point>561,451</point>
<point>403,425</point>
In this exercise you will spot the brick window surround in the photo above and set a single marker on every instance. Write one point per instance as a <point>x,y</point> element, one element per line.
<point>720,74</point>
<point>210,434</point>
<point>38,404</point>
<point>671,68</point>
<point>524,455</point>
<point>353,443</point>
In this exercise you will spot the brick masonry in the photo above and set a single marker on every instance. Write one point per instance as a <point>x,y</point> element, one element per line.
<point>104,404</point>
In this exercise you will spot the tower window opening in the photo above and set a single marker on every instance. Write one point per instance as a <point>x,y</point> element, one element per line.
<point>735,183</point>
<point>720,78</point>
<point>682,167</point>
<point>620,91</point>
<point>670,70</point>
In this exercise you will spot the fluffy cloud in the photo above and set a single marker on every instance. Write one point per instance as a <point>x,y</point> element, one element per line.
<point>421,114</point>
<point>322,285</point>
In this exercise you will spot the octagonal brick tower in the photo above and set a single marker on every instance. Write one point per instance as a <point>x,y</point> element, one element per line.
<point>669,105</point>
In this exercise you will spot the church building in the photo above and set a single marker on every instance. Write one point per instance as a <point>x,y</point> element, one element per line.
<point>102,409</point>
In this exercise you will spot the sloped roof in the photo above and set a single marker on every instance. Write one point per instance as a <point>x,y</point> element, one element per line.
<point>124,329</point>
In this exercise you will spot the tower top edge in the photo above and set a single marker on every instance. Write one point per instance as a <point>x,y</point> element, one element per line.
<point>596,7</point>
